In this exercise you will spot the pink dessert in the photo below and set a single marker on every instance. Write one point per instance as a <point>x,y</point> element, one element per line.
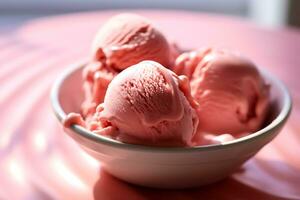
<point>96,77</point>
<point>232,95</point>
<point>124,40</point>
<point>127,39</point>
<point>131,95</point>
<point>148,104</point>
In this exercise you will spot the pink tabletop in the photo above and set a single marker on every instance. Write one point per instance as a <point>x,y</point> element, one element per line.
<point>38,161</point>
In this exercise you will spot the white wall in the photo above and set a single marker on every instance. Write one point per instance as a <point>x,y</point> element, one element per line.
<point>264,12</point>
<point>237,7</point>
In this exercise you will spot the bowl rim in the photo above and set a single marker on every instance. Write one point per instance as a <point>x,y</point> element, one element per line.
<point>60,114</point>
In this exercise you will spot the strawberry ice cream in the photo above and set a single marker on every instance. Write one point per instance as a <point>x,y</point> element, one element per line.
<point>96,79</point>
<point>232,95</point>
<point>149,104</point>
<point>132,95</point>
<point>127,39</point>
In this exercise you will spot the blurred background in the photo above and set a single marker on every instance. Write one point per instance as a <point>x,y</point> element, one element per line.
<point>269,13</point>
<point>37,161</point>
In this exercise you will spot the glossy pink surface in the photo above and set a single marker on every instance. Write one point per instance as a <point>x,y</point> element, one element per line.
<point>39,161</point>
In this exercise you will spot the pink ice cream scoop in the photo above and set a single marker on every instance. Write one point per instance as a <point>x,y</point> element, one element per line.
<point>149,104</point>
<point>231,93</point>
<point>127,39</point>
<point>96,79</point>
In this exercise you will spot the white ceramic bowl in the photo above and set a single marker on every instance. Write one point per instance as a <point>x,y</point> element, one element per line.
<point>167,167</point>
